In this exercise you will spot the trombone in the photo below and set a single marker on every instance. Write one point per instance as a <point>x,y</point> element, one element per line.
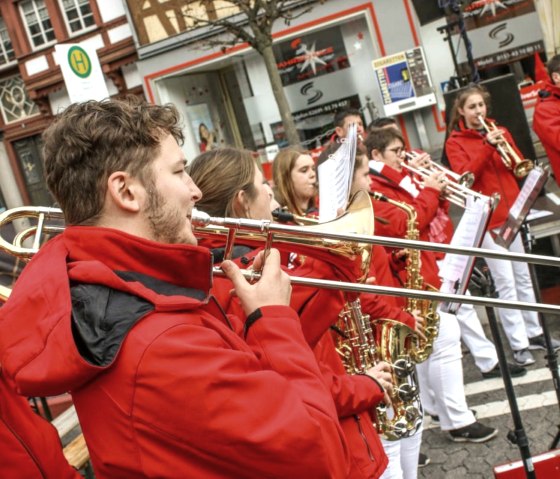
<point>520,167</point>
<point>457,189</point>
<point>319,237</point>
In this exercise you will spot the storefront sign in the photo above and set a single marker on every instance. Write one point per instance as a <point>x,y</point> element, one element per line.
<point>313,122</point>
<point>82,72</point>
<point>311,55</point>
<point>404,81</point>
<point>499,32</point>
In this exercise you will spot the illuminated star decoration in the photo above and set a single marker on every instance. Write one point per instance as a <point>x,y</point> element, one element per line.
<point>311,58</point>
<point>492,4</point>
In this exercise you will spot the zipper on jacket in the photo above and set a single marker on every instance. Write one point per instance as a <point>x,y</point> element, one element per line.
<point>359,423</point>
<point>24,445</point>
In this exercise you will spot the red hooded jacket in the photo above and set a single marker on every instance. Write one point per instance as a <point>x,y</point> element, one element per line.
<point>164,384</point>
<point>546,123</point>
<point>467,150</point>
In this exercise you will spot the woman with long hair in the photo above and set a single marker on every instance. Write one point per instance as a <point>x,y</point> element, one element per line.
<point>295,181</point>
<point>232,185</point>
<point>470,148</point>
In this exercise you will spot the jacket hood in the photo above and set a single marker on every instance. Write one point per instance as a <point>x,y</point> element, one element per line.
<point>548,90</point>
<point>37,342</point>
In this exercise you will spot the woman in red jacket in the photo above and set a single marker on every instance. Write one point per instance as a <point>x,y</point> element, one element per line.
<point>470,148</point>
<point>225,177</point>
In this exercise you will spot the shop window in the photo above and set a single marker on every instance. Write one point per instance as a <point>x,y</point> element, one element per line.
<point>7,54</point>
<point>78,15</point>
<point>15,104</point>
<point>28,151</point>
<point>37,22</point>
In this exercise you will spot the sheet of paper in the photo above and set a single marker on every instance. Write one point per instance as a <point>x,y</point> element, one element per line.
<point>335,177</point>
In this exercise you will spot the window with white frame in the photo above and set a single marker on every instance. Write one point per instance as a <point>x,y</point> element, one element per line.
<point>7,54</point>
<point>78,15</point>
<point>15,104</point>
<point>37,22</point>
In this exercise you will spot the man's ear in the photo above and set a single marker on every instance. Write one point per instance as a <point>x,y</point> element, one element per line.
<point>339,131</point>
<point>555,78</point>
<point>125,191</point>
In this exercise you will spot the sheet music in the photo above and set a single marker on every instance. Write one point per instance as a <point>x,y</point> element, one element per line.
<point>335,177</point>
<point>455,269</point>
<point>529,185</point>
<point>534,182</point>
<point>469,233</point>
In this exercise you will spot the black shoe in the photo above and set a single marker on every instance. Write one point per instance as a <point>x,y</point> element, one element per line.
<point>476,432</point>
<point>538,343</point>
<point>435,419</point>
<point>423,460</point>
<point>515,371</point>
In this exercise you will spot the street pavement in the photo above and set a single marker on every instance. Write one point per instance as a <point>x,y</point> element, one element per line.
<point>540,414</point>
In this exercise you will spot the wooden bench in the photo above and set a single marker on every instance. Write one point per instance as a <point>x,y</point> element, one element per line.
<point>77,455</point>
<point>4,293</point>
<point>76,451</point>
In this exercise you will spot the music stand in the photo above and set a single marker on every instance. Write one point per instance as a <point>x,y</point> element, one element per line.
<point>517,436</point>
<point>551,355</point>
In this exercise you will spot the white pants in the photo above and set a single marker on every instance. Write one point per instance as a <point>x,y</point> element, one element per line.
<point>403,457</point>
<point>482,349</point>
<point>441,378</point>
<point>513,283</point>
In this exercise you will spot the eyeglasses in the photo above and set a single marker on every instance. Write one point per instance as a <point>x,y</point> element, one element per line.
<point>397,151</point>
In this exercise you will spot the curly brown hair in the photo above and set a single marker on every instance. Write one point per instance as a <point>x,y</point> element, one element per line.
<point>89,141</point>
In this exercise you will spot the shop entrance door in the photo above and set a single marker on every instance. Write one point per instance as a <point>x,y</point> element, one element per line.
<point>215,110</point>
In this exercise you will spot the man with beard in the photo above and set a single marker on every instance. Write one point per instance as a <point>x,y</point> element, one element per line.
<point>117,311</point>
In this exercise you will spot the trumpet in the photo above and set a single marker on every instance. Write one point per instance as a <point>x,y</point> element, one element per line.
<point>457,189</point>
<point>520,167</point>
<point>466,179</point>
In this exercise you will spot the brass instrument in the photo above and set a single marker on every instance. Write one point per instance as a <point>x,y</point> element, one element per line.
<point>457,190</point>
<point>520,167</point>
<point>260,231</point>
<point>466,179</point>
<point>282,215</point>
<point>423,347</point>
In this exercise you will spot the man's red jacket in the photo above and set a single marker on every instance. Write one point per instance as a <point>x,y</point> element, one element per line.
<point>546,123</point>
<point>164,383</point>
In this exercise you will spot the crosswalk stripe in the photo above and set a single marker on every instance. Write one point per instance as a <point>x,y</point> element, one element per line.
<point>486,385</point>
<point>498,408</point>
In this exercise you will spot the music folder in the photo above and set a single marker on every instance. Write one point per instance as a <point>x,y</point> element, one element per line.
<point>529,193</point>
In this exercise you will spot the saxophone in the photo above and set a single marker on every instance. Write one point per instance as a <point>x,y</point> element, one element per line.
<point>362,344</point>
<point>422,349</point>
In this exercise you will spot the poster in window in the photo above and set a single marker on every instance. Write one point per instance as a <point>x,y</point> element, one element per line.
<point>203,126</point>
<point>311,55</point>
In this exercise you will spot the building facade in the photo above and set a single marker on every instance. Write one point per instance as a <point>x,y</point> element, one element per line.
<point>384,57</point>
<point>379,56</point>
<point>32,88</point>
